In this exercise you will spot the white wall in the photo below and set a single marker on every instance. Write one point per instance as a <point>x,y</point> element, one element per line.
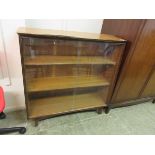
<point>14,93</point>
<point>83,25</point>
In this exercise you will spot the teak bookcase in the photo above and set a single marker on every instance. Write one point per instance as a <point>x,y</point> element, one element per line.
<point>67,71</point>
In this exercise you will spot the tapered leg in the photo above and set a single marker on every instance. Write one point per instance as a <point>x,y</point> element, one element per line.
<point>36,122</point>
<point>99,110</point>
<point>153,101</point>
<point>107,110</point>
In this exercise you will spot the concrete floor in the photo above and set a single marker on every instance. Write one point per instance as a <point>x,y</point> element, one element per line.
<point>133,120</point>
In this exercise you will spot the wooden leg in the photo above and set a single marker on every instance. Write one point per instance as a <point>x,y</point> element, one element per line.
<point>99,110</point>
<point>36,122</point>
<point>107,109</point>
<point>153,101</point>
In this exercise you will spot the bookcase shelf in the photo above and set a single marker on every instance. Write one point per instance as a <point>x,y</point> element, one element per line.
<point>66,82</point>
<point>62,60</point>
<point>67,71</point>
<point>64,104</point>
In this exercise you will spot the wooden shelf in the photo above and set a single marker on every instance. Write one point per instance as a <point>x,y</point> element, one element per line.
<point>62,60</point>
<point>65,82</point>
<point>64,104</point>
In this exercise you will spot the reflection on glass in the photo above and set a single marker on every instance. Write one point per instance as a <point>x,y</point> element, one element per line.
<point>67,75</point>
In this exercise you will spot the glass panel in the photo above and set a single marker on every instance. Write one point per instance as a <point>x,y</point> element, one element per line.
<point>95,74</point>
<point>65,75</point>
<point>51,74</point>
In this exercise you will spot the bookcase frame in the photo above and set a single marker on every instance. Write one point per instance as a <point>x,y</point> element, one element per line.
<point>47,91</point>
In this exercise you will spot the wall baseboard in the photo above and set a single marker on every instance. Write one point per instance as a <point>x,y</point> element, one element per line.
<point>131,102</point>
<point>11,109</point>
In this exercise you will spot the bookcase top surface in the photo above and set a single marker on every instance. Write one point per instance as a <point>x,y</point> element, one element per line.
<point>68,34</point>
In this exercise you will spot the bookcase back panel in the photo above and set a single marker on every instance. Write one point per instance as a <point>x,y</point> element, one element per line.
<point>71,70</point>
<point>58,47</point>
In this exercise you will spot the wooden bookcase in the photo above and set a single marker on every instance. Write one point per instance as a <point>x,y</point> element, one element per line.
<point>67,71</point>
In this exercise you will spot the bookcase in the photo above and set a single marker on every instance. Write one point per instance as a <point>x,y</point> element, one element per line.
<point>66,71</point>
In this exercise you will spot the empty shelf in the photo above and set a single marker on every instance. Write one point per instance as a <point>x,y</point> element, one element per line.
<point>62,60</point>
<point>63,104</point>
<point>65,82</point>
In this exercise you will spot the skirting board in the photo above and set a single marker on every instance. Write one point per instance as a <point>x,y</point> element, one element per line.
<point>12,108</point>
<point>132,102</point>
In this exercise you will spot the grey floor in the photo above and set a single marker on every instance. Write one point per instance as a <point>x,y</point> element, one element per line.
<point>133,120</point>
